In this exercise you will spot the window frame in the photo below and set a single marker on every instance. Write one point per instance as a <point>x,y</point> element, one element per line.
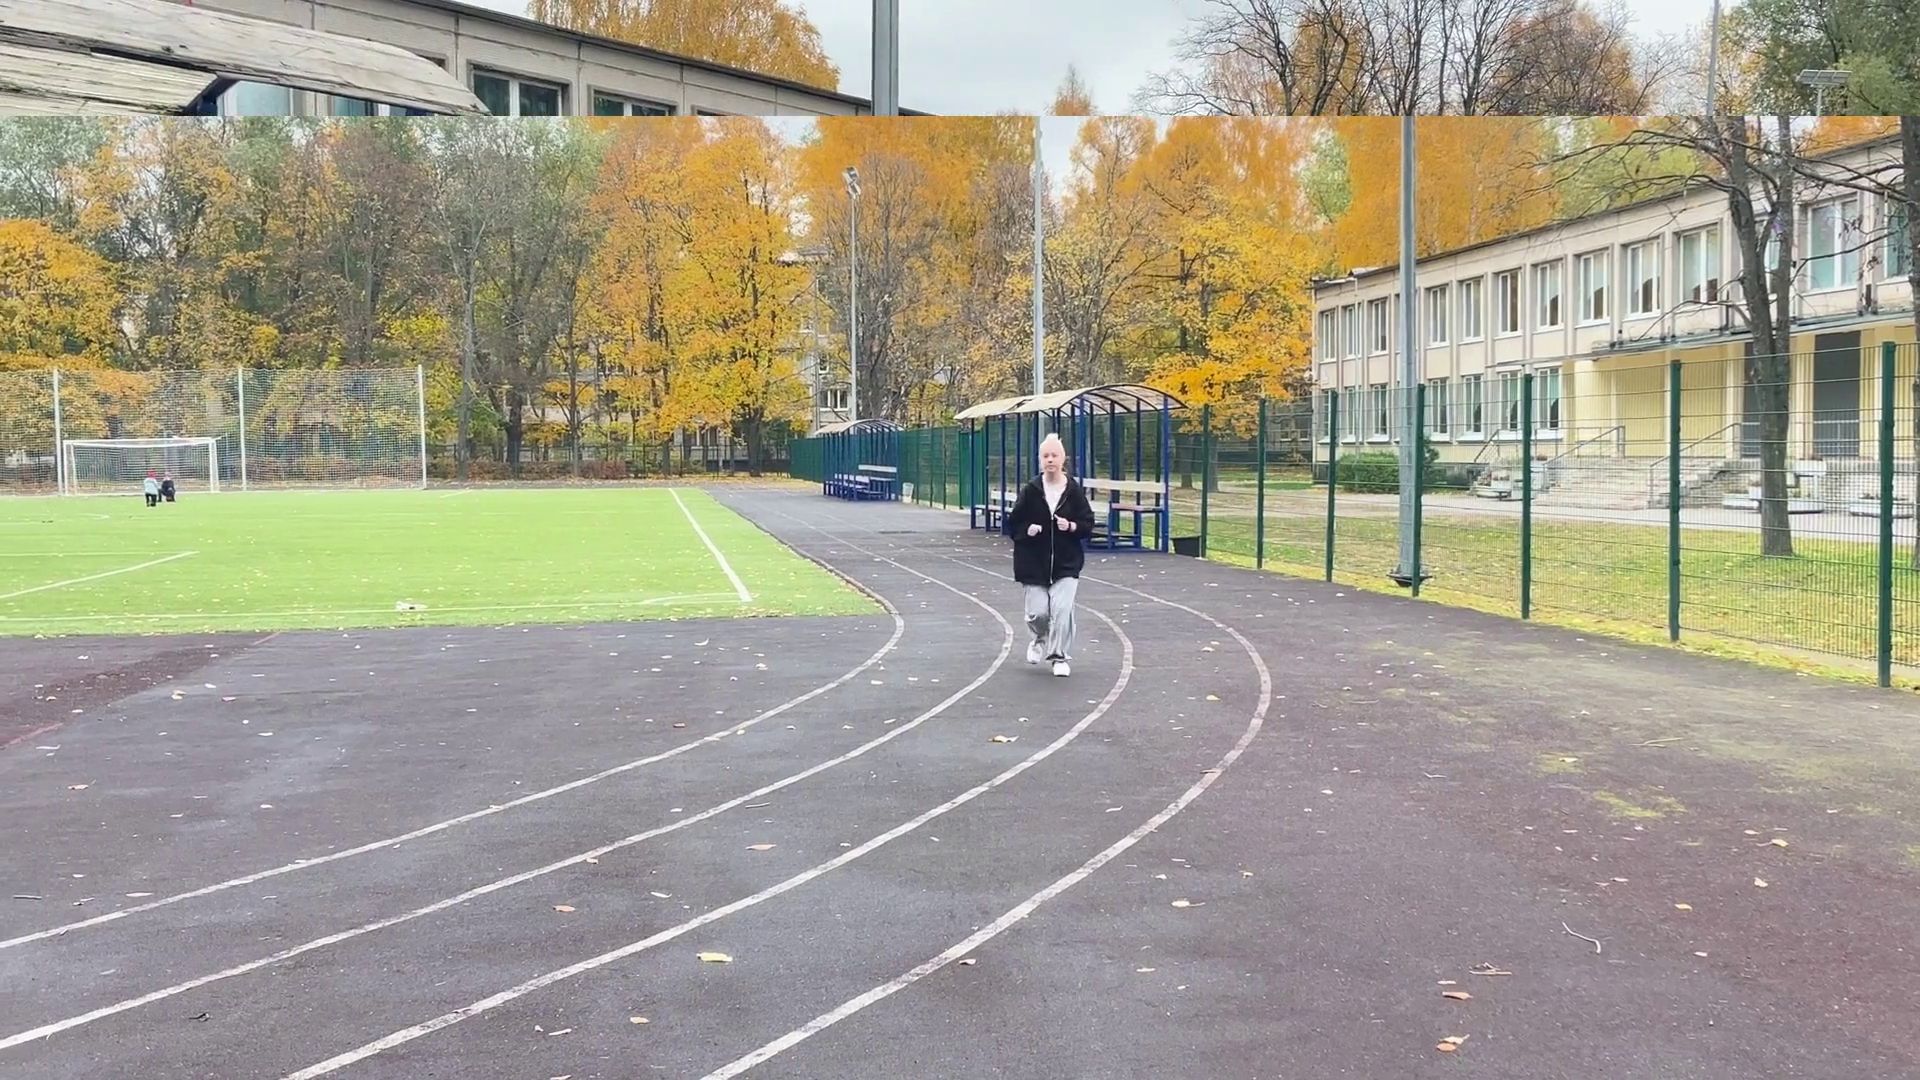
<point>1508,299</point>
<point>628,102</point>
<point>1471,295</point>
<point>1709,288</point>
<point>1646,284</point>
<point>1437,299</point>
<point>1378,314</point>
<point>1602,265</point>
<point>515,86</point>
<point>1844,257</point>
<point>1553,272</point>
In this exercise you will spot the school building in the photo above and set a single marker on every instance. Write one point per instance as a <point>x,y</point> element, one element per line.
<point>520,67</point>
<point>1598,308</point>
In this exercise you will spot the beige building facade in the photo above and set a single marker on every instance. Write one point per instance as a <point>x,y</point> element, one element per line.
<point>1598,309</point>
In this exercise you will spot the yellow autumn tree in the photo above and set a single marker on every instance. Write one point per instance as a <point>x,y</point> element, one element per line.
<point>1477,177</point>
<point>58,300</point>
<point>626,315</point>
<point>735,295</point>
<point>944,228</point>
<point>765,36</point>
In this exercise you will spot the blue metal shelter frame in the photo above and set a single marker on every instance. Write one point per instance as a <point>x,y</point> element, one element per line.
<point>1119,441</point>
<point>861,460</point>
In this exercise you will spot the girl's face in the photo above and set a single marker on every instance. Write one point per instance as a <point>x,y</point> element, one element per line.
<point>1053,459</point>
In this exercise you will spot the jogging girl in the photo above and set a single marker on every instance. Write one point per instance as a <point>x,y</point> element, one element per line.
<point>1048,523</point>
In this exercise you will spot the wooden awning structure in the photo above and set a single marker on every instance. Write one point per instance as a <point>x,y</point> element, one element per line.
<point>1113,399</point>
<point>93,57</point>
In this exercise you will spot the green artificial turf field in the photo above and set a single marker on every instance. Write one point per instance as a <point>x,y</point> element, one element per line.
<point>285,560</point>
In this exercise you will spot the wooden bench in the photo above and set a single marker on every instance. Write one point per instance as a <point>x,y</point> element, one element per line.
<point>986,513</point>
<point>869,482</point>
<point>1139,499</point>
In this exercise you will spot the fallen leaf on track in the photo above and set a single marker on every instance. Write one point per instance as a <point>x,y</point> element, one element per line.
<point>1777,842</point>
<point>638,1020</point>
<point>1683,907</point>
<point>1759,883</point>
<point>1456,995</point>
<point>715,958</point>
<point>759,847</point>
<point>969,962</point>
<point>563,909</point>
<point>1003,738</point>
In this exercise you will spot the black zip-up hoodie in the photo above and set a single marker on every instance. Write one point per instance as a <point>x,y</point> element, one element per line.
<point>1044,559</point>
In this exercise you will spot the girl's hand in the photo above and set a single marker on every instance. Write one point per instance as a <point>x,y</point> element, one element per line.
<point>1062,524</point>
<point>1033,530</point>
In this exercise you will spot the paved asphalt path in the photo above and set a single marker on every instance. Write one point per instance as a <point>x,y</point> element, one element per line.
<point>1260,833</point>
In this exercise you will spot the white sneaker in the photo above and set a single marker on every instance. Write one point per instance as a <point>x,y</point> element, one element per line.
<point>1036,651</point>
<point>1061,670</point>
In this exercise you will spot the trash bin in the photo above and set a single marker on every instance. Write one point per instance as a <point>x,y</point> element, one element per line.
<point>1187,545</point>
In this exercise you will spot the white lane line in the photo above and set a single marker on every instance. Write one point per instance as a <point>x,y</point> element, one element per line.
<point>1006,648</point>
<point>899,629</point>
<point>738,585</point>
<point>97,577</point>
<point>678,599</point>
<point>487,1004</point>
<point>1027,906</point>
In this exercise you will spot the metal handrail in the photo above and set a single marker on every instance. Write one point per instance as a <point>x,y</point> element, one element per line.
<point>1617,432</point>
<point>1660,462</point>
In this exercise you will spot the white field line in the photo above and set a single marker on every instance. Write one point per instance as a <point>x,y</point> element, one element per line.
<point>1006,648</point>
<point>1026,907</point>
<point>680,599</point>
<point>738,585</point>
<point>899,630</point>
<point>97,577</point>
<point>504,997</point>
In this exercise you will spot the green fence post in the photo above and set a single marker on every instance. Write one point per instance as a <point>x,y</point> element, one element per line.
<point>1526,495</point>
<point>1206,471</point>
<point>1333,468</point>
<point>1673,500</point>
<point>1885,649</point>
<point>1419,474</point>
<point>1260,492</point>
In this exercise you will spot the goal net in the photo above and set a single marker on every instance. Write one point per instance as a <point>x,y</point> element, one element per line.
<point>120,466</point>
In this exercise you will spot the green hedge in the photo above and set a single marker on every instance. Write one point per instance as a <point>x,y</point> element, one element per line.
<point>1377,472</point>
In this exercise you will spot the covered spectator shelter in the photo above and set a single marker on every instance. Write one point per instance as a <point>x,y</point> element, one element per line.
<point>861,459</point>
<point>1119,441</point>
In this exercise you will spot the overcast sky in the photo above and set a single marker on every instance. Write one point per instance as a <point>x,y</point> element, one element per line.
<point>983,56</point>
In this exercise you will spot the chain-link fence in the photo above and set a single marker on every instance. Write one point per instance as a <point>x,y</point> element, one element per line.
<point>99,429</point>
<point>1768,500</point>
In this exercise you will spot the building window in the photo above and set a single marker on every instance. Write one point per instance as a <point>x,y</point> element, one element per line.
<point>1833,244</point>
<point>1356,409</point>
<point>508,95</point>
<point>710,112</point>
<point>1377,324</point>
<point>614,105</point>
<point>1437,315</point>
<point>1329,348</point>
<point>1509,402</point>
<point>1474,387</point>
<point>1643,278</point>
<point>256,99</point>
<point>834,399</point>
<point>1439,411</point>
<point>1546,393</point>
<point>1382,416</point>
<point>1350,320</point>
<point>1546,287</point>
<point>1590,279</point>
<point>1899,248</point>
<point>1470,309</point>
<point>1700,265</point>
<point>1506,299</point>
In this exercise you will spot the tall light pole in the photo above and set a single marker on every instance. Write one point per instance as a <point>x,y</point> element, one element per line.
<point>1713,61</point>
<point>886,57</point>
<point>1408,368</point>
<point>1039,258</point>
<point>853,292</point>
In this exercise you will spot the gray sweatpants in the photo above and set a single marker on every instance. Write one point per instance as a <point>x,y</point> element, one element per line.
<point>1050,616</point>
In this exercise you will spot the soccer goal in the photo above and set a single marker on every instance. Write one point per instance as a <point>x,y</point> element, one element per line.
<point>119,466</point>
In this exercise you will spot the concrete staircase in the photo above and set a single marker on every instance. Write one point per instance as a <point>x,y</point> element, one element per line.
<point>1633,483</point>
